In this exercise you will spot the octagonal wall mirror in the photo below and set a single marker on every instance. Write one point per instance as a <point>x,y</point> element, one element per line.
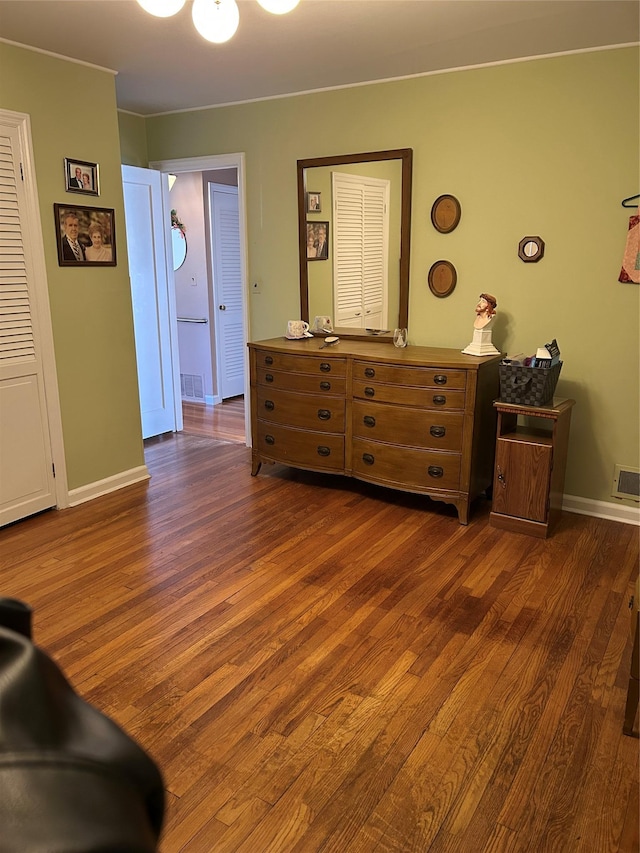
<point>390,175</point>
<point>531,249</point>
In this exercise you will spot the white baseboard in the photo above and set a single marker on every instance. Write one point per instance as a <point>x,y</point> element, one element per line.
<point>602,509</point>
<point>109,484</point>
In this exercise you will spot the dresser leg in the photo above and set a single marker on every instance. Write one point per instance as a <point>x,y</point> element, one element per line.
<point>463,511</point>
<point>256,464</point>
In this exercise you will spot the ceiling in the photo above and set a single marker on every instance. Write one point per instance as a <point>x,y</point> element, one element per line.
<point>164,65</point>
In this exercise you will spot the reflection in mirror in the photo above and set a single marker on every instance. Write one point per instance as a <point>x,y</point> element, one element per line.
<point>179,243</point>
<point>376,293</point>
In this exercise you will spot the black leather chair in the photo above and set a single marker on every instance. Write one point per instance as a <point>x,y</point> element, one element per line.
<point>71,780</point>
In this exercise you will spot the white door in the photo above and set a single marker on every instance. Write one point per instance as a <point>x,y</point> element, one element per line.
<point>227,290</point>
<point>153,305</point>
<point>27,483</point>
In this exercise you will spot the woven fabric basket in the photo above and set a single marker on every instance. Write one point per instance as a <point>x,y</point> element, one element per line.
<point>528,386</point>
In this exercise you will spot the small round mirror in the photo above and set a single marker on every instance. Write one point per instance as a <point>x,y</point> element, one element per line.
<point>179,243</point>
<point>530,249</point>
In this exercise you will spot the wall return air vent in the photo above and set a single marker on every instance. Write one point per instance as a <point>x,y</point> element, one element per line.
<point>626,483</point>
<point>192,386</point>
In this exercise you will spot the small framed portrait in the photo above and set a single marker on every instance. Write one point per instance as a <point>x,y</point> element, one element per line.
<point>317,241</point>
<point>81,177</point>
<point>85,236</point>
<point>314,202</point>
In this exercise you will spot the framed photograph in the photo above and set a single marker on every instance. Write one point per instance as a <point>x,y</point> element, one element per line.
<point>85,236</point>
<point>314,202</point>
<point>317,241</point>
<point>81,177</point>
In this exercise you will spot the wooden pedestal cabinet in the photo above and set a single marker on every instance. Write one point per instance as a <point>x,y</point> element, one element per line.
<point>531,455</point>
<point>418,419</point>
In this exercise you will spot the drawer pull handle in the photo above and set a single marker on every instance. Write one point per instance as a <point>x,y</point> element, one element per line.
<point>325,386</point>
<point>435,471</point>
<point>269,405</point>
<point>439,399</point>
<point>269,439</point>
<point>323,450</point>
<point>369,421</point>
<point>324,414</point>
<point>268,377</point>
<point>325,367</point>
<point>369,372</point>
<point>501,478</point>
<point>268,359</point>
<point>369,392</point>
<point>440,379</point>
<point>437,431</point>
<point>368,458</point>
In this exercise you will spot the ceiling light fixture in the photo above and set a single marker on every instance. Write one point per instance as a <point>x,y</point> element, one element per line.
<point>215,20</point>
<point>162,8</point>
<point>278,7</point>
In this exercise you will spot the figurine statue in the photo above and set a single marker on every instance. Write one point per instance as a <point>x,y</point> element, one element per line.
<point>485,311</point>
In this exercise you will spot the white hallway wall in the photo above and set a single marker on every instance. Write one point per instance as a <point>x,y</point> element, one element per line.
<point>192,281</point>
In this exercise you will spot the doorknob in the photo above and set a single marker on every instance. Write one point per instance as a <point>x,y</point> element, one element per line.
<point>222,307</point>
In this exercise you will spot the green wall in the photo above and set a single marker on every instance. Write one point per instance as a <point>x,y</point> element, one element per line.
<point>133,139</point>
<point>544,147</point>
<point>90,308</point>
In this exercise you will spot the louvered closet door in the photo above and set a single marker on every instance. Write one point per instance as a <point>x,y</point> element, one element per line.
<point>227,283</point>
<point>361,241</point>
<point>26,470</point>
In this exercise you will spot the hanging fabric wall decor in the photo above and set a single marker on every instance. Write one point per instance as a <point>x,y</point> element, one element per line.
<point>630,272</point>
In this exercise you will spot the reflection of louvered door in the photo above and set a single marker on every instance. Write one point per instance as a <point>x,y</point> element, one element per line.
<point>26,472</point>
<point>360,250</point>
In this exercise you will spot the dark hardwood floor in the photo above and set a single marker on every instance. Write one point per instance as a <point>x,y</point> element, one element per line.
<point>319,665</point>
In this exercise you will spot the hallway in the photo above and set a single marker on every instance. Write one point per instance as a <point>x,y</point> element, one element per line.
<point>225,421</point>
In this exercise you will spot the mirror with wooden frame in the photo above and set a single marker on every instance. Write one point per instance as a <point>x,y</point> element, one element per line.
<point>364,290</point>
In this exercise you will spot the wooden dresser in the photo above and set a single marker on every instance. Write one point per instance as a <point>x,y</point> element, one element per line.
<point>418,419</point>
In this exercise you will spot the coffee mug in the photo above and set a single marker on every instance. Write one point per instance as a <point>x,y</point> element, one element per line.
<point>297,328</point>
<point>322,324</point>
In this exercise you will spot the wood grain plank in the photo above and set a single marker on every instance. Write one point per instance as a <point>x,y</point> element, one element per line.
<point>318,664</point>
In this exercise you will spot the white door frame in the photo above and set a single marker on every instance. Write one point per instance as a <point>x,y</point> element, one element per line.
<point>205,164</point>
<point>41,307</point>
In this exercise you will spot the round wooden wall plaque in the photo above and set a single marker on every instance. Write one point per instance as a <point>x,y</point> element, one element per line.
<point>442,278</point>
<point>445,213</point>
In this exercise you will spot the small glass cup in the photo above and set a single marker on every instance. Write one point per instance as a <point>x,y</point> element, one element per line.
<point>400,338</point>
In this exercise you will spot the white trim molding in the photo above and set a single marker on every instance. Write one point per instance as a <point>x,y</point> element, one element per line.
<point>602,509</point>
<point>110,484</point>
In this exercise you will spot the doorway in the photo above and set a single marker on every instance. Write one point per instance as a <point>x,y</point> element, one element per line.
<point>223,422</point>
<point>212,321</point>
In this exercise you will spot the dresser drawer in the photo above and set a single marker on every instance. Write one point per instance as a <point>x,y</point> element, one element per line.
<point>417,469</point>
<point>421,377</point>
<point>412,427</point>
<point>308,411</point>
<point>316,383</point>
<point>297,447</point>
<point>428,398</point>
<point>314,364</point>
